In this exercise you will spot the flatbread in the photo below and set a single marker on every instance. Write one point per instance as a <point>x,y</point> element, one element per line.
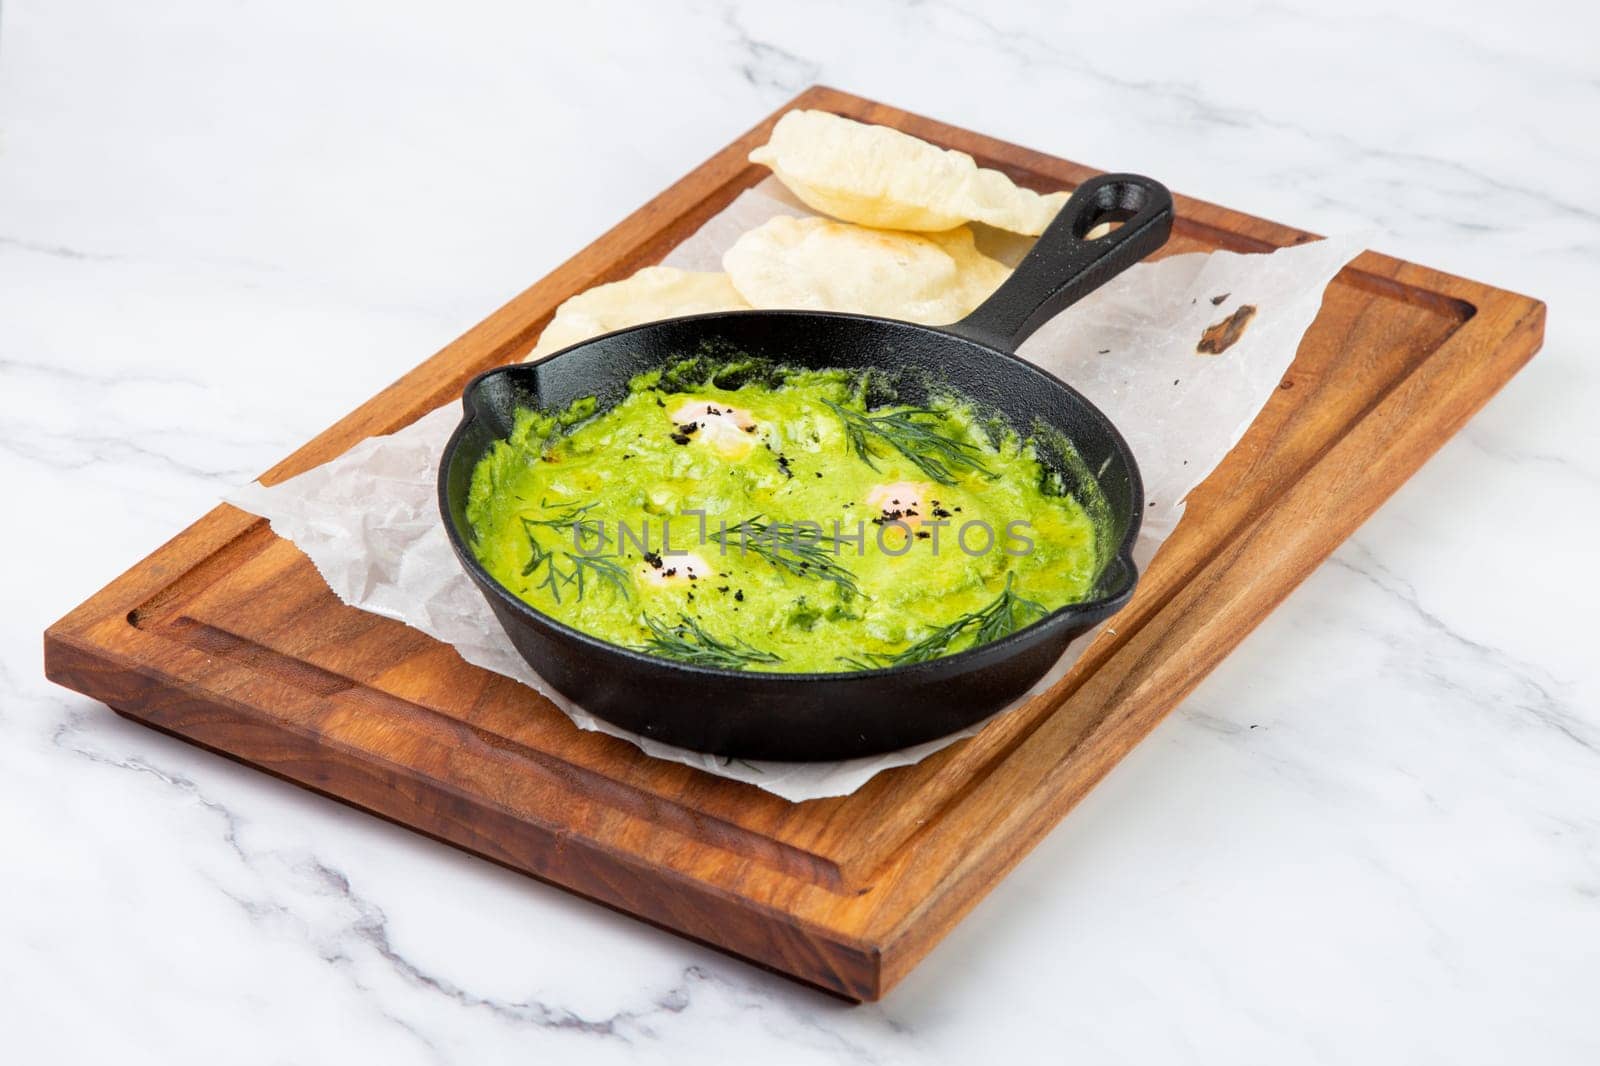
<point>821,265</point>
<point>877,176</point>
<point>652,294</point>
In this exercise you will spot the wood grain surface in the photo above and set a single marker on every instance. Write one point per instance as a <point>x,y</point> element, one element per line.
<point>226,636</point>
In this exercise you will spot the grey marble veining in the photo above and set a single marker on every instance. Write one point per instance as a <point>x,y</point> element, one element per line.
<point>1372,835</point>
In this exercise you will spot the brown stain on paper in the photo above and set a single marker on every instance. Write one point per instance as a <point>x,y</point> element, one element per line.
<point>1220,336</point>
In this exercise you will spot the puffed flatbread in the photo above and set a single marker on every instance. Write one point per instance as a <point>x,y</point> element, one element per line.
<point>652,294</point>
<point>821,265</point>
<point>877,176</point>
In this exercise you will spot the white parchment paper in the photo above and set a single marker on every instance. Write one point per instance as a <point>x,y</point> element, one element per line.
<point>369,522</point>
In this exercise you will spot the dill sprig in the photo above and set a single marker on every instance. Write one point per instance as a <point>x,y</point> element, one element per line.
<point>572,570</point>
<point>914,432</point>
<point>688,642</point>
<point>1004,615</point>
<point>799,551</point>
<point>600,568</point>
<point>571,520</point>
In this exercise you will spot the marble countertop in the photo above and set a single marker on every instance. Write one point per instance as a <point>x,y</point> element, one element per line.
<point>1372,835</point>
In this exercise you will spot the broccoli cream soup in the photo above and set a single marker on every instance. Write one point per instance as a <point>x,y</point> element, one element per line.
<point>754,518</point>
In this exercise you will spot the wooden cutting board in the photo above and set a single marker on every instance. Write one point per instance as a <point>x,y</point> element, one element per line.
<point>227,637</point>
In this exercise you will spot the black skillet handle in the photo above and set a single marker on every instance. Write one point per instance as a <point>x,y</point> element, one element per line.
<point>1063,267</point>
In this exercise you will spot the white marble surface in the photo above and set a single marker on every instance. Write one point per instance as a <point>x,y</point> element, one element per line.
<point>1373,835</point>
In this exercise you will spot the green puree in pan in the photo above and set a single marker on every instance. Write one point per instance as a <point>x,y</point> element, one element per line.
<point>755,518</point>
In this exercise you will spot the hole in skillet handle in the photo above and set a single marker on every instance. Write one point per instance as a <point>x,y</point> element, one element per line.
<point>1066,264</point>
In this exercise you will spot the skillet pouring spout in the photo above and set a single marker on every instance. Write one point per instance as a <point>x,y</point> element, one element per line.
<point>827,716</point>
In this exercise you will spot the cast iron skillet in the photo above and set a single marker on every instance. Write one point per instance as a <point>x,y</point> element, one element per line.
<point>842,715</point>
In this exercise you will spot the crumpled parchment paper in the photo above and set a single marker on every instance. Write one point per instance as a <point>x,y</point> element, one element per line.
<point>369,522</point>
